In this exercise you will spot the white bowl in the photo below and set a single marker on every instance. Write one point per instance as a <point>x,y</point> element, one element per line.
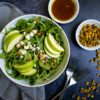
<point>89,21</point>
<point>65,21</point>
<point>62,65</point>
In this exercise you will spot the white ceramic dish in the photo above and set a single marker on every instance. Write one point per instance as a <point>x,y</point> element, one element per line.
<point>66,21</point>
<point>89,21</point>
<point>62,66</point>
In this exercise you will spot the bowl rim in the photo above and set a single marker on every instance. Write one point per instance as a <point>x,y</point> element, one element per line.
<point>27,85</point>
<point>88,21</point>
<point>66,21</point>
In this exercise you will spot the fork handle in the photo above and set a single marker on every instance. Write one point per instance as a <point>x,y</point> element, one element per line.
<point>62,91</point>
<point>67,84</point>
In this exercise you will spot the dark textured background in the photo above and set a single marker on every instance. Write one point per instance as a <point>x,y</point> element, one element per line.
<point>89,9</point>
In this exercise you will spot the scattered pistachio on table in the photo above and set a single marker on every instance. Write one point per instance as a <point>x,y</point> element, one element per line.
<point>97,90</point>
<point>88,92</point>
<point>96,60</point>
<point>90,87</point>
<point>93,60</point>
<point>97,74</point>
<point>98,67</point>
<point>78,98</point>
<point>98,55</point>
<point>86,83</point>
<point>97,51</point>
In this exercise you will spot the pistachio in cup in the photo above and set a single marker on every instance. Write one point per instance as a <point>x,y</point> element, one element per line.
<point>63,11</point>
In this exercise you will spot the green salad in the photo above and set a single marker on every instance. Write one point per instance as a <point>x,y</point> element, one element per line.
<point>32,49</point>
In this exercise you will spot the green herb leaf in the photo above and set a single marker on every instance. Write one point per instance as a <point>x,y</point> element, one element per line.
<point>2,55</point>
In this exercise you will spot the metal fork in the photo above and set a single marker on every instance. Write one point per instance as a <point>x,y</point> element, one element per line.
<point>72,77</point>
<point>70,71</point>
<point>60,94</point>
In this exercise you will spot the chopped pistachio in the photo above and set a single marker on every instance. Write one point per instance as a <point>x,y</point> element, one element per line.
<point>98,55</point>
<point>97,51</point>
<point>92,96</point>
<point>93,60</point>
<point>97,90</point>
<point>89,95</point>
<point>98,74</point>
<point>98,67</point>
<point>98,58</point>
<point>78,98</point>
<point>98,85</point>
<point>83,98</point>
<point>98,62</point>
<point>93,82</point>
<point>87,83</point>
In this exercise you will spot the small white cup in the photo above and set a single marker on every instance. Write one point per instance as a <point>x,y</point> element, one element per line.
<point>61,21</point>
<point>90,21</point>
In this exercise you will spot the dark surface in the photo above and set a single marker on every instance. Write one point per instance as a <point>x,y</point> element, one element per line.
<point>89,9</point>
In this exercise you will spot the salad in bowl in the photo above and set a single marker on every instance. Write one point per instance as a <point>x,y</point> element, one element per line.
<point>33,50</point>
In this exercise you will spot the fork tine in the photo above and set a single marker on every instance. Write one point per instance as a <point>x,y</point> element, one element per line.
<point>80,74</point>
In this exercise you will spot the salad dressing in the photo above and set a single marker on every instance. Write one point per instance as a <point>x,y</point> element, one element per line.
<point>63,9</point>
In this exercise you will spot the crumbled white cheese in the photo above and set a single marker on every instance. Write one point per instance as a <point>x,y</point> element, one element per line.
<point>24,33</point>
<point>33,49</point>
<point>29,43</point>
<point>34,45</point>
<point>26,47</point>
<point>18,45</point>
<point>22,51</point>
<point>21,57</point>
<point>38,48</point>
<point>34,31</point>
<point>27,37</point>
<point>21,42</point>
<point>31,34</point>
<point>30,46</point>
